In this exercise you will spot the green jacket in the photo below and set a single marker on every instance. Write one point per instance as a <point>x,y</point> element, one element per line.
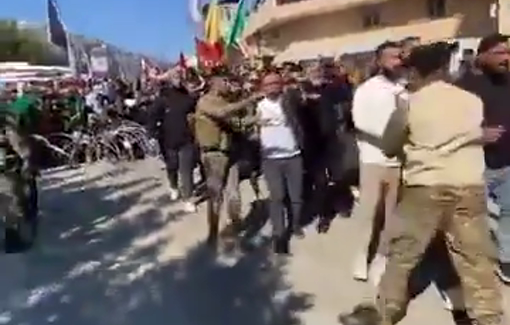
<point>25,112</point>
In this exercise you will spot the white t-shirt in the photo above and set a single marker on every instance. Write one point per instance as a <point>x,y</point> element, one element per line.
<point>277,139</point>
<point>374,102</point>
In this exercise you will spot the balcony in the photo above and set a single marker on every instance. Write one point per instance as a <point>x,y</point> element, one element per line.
<point>277,12</point>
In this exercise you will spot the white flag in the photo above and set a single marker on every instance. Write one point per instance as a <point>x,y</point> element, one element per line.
<point>195,11</point>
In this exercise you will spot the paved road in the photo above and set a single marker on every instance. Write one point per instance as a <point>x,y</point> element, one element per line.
<point>115,250</point>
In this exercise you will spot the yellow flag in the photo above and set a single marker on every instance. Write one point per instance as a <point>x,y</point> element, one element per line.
<point>213,23</point>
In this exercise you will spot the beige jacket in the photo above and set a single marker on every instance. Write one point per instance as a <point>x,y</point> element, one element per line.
<point>439,128</point>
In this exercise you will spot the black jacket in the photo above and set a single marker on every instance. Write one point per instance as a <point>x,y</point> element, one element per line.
<point>168,117</point>
<point>494,91</point>
<point>292,104</point>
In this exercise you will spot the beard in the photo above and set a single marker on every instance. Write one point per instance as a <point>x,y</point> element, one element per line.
<point>391,74</point>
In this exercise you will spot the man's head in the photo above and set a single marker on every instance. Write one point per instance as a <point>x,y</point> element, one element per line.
<point>219,84</point>
<point>408,44</point>
<point>272,85</point>
<point>494,53</point>
<point>175,78</point>
<point>315,74</point>
<point>431,60</point>
<point>388,58</point>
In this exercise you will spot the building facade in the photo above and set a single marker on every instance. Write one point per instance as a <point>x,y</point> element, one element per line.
<point>294,30</point>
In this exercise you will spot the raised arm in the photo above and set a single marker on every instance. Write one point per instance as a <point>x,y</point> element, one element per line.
<point>229,109</point>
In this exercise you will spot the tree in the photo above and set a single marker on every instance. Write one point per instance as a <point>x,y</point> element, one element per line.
<point>21,45</point>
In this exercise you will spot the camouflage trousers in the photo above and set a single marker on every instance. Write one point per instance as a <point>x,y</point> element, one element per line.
<point>18,198</point>
<point>461,214</point>
<point>222,181</point>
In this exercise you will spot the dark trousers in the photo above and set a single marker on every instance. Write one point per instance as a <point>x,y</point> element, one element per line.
<point>179,164</point>
<point>284,178</point>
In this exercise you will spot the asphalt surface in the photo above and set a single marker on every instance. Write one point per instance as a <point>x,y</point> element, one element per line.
<point>115,250</point>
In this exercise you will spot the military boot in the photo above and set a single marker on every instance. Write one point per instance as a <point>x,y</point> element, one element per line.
<point>362,314</point>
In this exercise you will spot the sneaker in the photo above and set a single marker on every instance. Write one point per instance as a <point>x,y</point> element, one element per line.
<point>503,272</point>
<point>189,207</point>
<point>355,193</point>
<point>360,272</point>
<point>377,268</point>
<point>174,194</point>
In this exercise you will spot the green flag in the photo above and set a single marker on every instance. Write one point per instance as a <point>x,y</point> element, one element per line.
<point>237,24</point>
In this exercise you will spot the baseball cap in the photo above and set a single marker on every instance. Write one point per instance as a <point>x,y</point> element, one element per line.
<point>490,41</point>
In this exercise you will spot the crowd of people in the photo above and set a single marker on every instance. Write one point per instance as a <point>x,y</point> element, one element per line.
<point>425,148</point>
<point>420,151</point>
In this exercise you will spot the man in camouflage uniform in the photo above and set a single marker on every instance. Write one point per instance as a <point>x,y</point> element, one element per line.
<point>443,190</point>
<point>213,129</point>
<point>18,188</point>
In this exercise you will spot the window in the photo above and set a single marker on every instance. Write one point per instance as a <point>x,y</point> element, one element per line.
<point>436,8</point>
<point>371,18</point>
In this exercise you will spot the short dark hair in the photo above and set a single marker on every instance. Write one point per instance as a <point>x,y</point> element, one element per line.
<point>491,41</point>
<point>386,45</point>
<point>410,39</point>
<point>426,59</point>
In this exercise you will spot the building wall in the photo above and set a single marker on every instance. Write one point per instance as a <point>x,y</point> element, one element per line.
<point>399,19</point>
<point>504,16</point>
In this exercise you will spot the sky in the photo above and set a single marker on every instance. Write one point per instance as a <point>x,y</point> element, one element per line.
<point>160,28</point>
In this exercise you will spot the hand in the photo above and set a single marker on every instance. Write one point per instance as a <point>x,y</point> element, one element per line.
<point>264,122</point>
<point>256,96</point>
<point>153,142</point>
<point>492,134</point>
<point>312,96</point>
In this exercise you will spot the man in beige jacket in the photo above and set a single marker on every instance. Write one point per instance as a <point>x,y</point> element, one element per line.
<point>438,131</point>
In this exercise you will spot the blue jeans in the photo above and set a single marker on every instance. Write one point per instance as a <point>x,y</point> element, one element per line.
<point>498,189</point>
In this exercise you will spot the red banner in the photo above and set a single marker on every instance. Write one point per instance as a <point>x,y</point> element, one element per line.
<point>209,55</point>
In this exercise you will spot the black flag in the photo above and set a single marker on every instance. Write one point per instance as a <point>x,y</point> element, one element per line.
<point>57,33</point>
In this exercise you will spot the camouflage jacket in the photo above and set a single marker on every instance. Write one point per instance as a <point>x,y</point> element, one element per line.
<point>15,148</point>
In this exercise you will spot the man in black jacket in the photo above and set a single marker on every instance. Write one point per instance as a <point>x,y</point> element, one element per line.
<point>492,84</point>
<point>322,117</point>
<point>168,122</point>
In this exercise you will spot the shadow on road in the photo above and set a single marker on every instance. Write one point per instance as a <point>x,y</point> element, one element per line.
<point>100,263</point>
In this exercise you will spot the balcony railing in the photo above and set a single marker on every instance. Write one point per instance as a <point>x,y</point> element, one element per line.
<point>268,15</point>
